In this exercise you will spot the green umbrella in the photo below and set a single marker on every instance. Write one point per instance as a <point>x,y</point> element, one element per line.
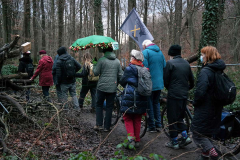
<point>92,42</point>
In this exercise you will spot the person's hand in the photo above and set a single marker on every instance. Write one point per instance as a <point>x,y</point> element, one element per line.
<point>30,79</point>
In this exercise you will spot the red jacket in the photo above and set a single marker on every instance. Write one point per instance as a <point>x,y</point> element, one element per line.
<point>44,70</point>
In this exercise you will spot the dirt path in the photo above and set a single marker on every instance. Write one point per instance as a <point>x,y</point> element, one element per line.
<point>190,152</point>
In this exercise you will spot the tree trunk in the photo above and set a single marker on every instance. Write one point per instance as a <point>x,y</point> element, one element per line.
<point>60,21</point>
<point>81,12</point>
<point>35,32</point>
<point>98,17</point>
<point>131,5</point>
<point>6,15</point>
<point>108,19</point>
<point>145,12</point>
<point>27,16</point>
<point>235,45</point>
<point>43,26</point>
<point>190,24</point>
<point>178,21</point>
<point>52,32</point>
<point>113,19</point>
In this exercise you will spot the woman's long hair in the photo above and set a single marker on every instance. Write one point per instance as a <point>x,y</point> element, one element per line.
<point>87,58</point>
<point>211,54</point>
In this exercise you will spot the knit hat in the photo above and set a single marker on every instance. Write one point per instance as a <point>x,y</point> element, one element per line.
<point>137,55</point>
<point>174,50</point>
<point>42,52</point>
<point>146,42</point>
<point>62,50</point>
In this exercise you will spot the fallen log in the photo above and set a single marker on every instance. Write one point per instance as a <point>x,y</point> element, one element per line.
<point>24,81</point>
<point>192,58</point>
<point>11,45</point>
<point>20,75</point>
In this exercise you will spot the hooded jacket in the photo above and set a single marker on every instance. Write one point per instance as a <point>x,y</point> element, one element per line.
<point>23,62</point>
<point>178,78</point>
<point>44,70</point>
<point>155,61</point>
<point>60,71</point>
<point>109,70</point>
<point>207,112</point>
<point>129,81</point>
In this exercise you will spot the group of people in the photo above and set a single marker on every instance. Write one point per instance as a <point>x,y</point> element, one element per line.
<point>175,75</point>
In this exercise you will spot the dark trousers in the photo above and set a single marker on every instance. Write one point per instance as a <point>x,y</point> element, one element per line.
<point>175,114</point>
<point>45,90</point>
<point>101,96</point>
<point>154,120</point>
<point>84,92</point>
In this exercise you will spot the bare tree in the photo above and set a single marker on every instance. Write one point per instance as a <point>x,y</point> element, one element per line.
<point>6,15</point>
<point>98,17</point>
<point>60,21</point>
<point>112,5</point>
<point>177,21</point>
<point>131,5</point>
<point>43,26</point>
<point>145,12</point>
<point>27,18</point>
<point>35,32</point>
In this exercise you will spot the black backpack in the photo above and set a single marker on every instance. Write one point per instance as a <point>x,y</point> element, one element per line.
<point>69,66</point>
<point>29,69</point>
<point>224,89</point>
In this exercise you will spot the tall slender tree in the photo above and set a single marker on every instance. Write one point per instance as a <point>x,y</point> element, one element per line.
<point>177,21</point>
<point>60,21</point>
<point>112,5</point>
<point>43,26</point>
<point>131,5</point>
<point>6,16</point>
<point>27,18</point>
<point>35,32</point>
<point>145,12</point>
<point>98,17</point>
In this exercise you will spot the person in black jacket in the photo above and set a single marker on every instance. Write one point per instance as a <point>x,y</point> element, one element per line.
<point>86,84</point>
<point>207,112</point>
<point>22,67</point>
<point>67,82</point>
<point>178,80</point>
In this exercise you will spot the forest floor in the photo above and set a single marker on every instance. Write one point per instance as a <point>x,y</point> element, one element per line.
<point>71,132</point>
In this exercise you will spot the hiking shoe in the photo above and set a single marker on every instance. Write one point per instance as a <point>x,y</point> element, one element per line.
<point>202,157</point>
<point>152,130</point>
<point>92,110</point>
<point>98,128</point>
<point>106,130</point>
<point>81,106</point>
<point>184,141</point>
<point>172,145</point>
<point>158,129</point>
<point>215,157</point>
<point>137,144</point>
<point>130,145</point>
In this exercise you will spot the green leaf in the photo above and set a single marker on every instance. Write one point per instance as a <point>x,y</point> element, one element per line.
<point>119,145</point>
<point>130,146</point>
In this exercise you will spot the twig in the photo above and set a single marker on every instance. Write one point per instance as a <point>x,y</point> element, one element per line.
<point>110,133</point>
<point>185,153</point>
<point>41,134</point>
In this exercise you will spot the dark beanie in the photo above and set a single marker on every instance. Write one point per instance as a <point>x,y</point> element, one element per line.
<point>62,50</point>
<point>174,50</point>
<point>42,52</point>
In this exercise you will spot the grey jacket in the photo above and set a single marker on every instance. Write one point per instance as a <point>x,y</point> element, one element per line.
<point>109,70</point>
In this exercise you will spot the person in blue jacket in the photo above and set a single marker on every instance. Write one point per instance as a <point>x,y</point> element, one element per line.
<point>134,108</point>
<point>155,61</point>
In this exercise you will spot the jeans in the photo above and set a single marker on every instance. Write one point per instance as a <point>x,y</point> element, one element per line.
<point>84,92</point>
<point>154,120</point>
<point>59,93</point>
<point>45,90</point>
<point>101,96</point>
<point>72,91</point>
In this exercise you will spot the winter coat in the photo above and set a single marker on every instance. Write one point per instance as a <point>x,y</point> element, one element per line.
<point>178,78</point>
<point>155,61</point>
<point>54,68</point>
<point>84,75</point>
<point>129,81</point>
<point>207,113</point>
<point>109,70</point>
<point>60,71</point>
<point>23,62</point>
<point>44,70</point>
